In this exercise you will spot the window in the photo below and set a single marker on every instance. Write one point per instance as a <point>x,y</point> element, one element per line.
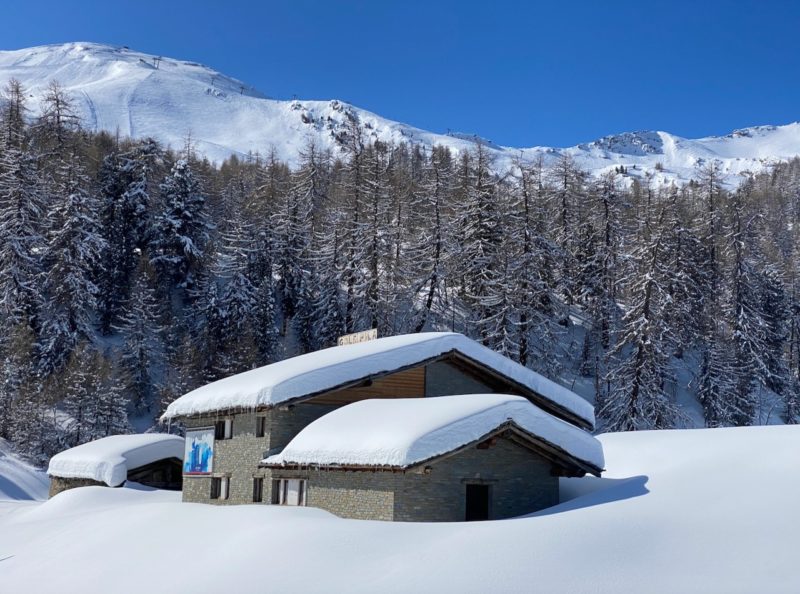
<point>219,487</point>
<point>289,491</point>
<point>261,426</point>
<point>223,429</point>
<point>258,489</point>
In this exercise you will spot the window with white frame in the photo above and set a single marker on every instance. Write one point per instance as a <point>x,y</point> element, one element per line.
<point>223,429</point>
<point>289,491</point>
<point>219,487</point>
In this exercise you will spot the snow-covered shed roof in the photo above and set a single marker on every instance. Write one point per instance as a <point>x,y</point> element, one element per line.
<point>339,366</point>
<point>405,432</point>
<point>109,459</point>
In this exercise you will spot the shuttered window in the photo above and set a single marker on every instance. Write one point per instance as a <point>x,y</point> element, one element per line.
<point>223,429</point>
<point>289,491</point>
<point>219,487</point>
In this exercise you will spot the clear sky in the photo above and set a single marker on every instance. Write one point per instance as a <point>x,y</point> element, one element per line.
<point>519,73</point>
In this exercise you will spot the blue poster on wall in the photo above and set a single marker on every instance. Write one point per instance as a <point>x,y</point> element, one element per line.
<point>198,456</point>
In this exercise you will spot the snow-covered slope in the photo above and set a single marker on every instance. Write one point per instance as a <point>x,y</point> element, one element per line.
<point>117,89</point>
<point>19,481</point>
<point>709,510</point>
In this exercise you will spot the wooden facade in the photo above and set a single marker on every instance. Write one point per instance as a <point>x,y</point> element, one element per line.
<point>409,383</point>
<point>448,374</point>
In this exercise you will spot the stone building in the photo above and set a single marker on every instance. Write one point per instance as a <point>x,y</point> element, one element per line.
<point>235,423</point>
<point>452,458</point>
<point>151,459</point>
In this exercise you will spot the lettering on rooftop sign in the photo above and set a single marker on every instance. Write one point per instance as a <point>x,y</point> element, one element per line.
<point>364,336</point>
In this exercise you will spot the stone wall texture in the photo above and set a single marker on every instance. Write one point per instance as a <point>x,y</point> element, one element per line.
<point>238,457</point>
<point>58,484</point>
<point>519,482</point>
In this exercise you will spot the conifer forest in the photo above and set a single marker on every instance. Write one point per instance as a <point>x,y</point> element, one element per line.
<point>131,273</point>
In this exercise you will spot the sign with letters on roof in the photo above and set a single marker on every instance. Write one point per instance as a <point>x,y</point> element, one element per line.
<point>364,336</point>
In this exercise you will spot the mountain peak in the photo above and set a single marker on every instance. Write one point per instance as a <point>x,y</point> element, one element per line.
<point>119,89</point>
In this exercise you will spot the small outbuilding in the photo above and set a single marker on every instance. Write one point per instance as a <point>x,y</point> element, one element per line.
<point>152,459</point>
<point>451,458</point>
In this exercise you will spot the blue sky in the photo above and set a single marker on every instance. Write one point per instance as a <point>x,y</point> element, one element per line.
<point>518,73</point>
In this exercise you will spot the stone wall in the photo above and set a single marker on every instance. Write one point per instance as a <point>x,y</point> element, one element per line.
<point>58,484</point>
<point>519,482</point>
<point>238,457</point>
<point>362,495</point>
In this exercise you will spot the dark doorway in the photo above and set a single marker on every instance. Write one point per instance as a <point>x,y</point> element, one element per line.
<point>477,502</point>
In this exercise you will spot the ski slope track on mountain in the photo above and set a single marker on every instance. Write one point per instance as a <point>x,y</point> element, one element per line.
<point>120,90</point>
<point>703,510</point>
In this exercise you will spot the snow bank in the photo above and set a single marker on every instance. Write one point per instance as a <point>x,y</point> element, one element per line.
<point>705,510</point>
<point>108,459</point>
<point>406,431</point>
<point>332,367</point>
<point>19,481</point>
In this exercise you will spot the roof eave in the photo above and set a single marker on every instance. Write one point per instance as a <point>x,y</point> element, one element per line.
<point>539,445</point>
<point>540,400</point>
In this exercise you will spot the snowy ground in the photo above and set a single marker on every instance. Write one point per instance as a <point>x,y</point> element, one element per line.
<point>678,511</point>
<point>19,481</point>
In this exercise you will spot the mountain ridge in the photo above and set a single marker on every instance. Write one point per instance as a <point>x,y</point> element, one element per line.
<point>137,94</point>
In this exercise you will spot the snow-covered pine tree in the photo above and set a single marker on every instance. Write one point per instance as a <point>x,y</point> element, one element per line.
<point>180,230</point>
<point>639,367</point>
<point>126,183</point>
<point>292,222</point>
<point>481,243</point>
<point>239,302</point>
<point>430,245</point>
<point>377,232</point>
<point>755,337</point>
<point>110,405</point>
<point>17,375</point>
<point>326,307</point>
<point>22,217</point>
<point>260,270</point>
<point>74,250</point>
<point>80,389</point>
<point>533,272</point>
<point>142,353</point>
<point>568,187</point>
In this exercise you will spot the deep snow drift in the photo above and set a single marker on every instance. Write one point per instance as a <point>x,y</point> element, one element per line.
<point>710,510</point>
<point>19,481</point>
<point>120,90</point>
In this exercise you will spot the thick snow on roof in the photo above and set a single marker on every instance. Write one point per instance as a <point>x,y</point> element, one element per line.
<point>108,459</point>
<point>322,370</point>
<point>406,431</point>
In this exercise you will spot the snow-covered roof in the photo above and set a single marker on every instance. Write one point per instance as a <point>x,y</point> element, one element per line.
<point>326,369</point>
<point>109,459</point>
<point>404,432</point>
